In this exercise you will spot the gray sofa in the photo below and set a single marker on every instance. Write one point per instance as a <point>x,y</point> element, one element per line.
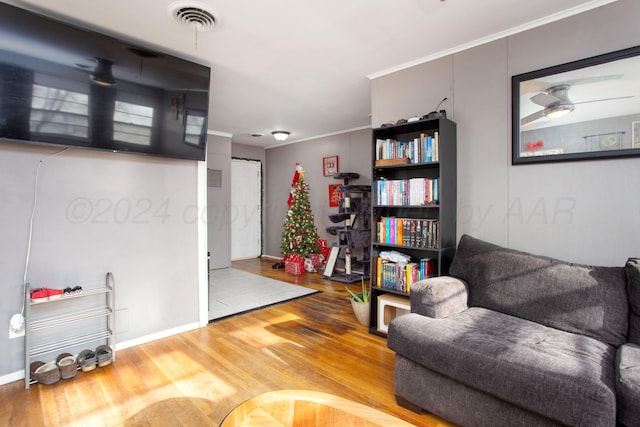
<point>515,339</point>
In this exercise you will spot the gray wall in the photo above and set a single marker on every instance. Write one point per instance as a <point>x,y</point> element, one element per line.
<point>582,136</point>
<point>135,216</point>
<point>579,211</point>
<point>219,203</point>
<point>354,155</point>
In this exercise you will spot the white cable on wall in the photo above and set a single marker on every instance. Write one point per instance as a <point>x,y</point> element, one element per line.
<point>33,214</point>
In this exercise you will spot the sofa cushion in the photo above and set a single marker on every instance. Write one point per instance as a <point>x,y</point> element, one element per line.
<point>573,297</point>
<point>457,402</point>
<point>565,376</point>
<point>439,296</point>
<point>628,384</point>
<point>632,269</point>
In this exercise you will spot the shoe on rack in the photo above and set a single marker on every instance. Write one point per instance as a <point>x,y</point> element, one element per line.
<point>104,355</point>
<point>55,294</point>
<point>45,373</point>
<point>39,295</point>
<point>87,360</point>
<point>45,294</point>
<point>68,365</point>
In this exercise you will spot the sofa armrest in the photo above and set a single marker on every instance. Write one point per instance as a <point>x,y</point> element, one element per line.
<point>439,297</point>
<point>628,384</point>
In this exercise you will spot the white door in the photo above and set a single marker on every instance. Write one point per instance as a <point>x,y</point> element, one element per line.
<point>246,209</point>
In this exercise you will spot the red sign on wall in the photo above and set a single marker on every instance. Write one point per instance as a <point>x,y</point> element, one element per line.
<point>334,195</point>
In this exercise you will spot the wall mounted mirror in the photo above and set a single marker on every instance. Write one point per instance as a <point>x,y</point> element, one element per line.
<point>585,109</point>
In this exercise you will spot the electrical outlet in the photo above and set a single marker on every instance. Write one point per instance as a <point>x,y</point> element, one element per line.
<point>13,334</point>
<point>16,326</point>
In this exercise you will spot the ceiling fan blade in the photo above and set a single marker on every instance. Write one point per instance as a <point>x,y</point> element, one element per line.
<point>544,99</point>
<point>531,86</point>
<point>531,117</point>
<point>594,79</point>
<point>604,99</point>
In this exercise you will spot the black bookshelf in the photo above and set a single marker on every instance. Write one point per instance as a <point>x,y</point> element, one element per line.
<point>407,143</point>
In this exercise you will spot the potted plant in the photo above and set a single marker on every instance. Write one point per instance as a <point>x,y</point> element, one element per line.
<point>361,304</point>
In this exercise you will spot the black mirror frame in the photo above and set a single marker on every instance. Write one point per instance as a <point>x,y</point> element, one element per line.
<point>516,159</point>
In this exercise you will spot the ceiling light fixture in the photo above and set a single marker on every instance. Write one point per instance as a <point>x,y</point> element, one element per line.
<point>280,135</point>
<point>558,109</point>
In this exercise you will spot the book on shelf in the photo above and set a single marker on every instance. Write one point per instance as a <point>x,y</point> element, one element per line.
<point>411,232</point>
<point>401,276</point>
<point>407,192</point>
<point>422,149</point>
<point>392,162</point>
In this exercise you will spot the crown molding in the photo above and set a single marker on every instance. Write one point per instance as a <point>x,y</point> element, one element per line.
<point>493,37</point>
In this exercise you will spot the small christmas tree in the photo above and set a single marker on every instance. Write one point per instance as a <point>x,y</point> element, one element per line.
<point>300,236</point>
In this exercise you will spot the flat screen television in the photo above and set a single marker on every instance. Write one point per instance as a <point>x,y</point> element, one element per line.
<point>66,85</point>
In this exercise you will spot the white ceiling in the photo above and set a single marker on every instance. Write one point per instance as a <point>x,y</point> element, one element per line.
<point>302,65</point>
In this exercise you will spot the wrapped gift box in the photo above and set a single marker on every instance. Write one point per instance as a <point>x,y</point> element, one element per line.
<point>294,267</point>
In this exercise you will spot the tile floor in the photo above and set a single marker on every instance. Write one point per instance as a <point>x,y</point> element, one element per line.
<point>234,291</point>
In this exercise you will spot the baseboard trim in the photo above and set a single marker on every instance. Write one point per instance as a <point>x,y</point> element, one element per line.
<point>19,375</point>
<point>14,376</point>
<point>157,336</point>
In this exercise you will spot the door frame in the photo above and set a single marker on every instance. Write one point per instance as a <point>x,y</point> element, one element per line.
<point>245,159</point>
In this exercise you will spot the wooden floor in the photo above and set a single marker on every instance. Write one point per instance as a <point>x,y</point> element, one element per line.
<point>307,408</point>
<point>196,378</point>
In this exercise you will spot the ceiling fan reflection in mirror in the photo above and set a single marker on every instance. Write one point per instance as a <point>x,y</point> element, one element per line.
<point>554,97</point>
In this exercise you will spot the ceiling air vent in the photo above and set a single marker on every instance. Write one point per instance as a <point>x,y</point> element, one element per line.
<point>194,14</point>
